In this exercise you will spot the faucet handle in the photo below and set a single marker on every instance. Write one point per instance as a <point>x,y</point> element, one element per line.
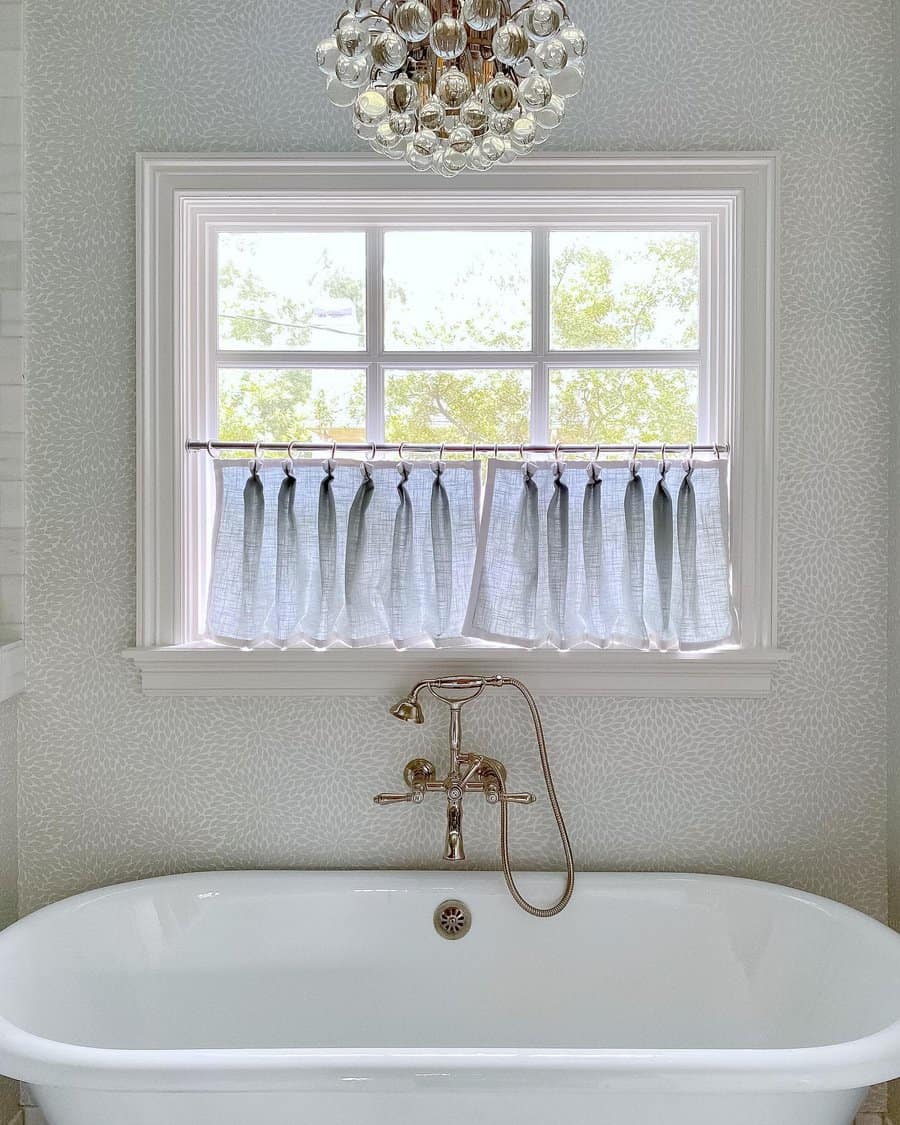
<point>398,798</point>
<point>518,798</point>
<point>418,773</point>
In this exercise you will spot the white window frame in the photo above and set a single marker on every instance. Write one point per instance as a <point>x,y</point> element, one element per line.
<point>183,202</point>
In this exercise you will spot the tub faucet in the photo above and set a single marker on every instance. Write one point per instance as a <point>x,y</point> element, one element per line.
<point>466,773</point>
<point>478,773</point>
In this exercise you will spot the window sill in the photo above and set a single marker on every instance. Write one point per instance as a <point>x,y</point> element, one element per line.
<point>369,672</point>
<point>12,668</point>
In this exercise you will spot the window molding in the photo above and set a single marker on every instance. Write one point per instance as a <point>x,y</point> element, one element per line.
<point>174,192</point>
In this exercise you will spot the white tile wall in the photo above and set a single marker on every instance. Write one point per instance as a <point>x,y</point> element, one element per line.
<point>12,387</point>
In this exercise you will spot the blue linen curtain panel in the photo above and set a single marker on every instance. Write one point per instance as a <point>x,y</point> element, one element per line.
<point>565,554</point>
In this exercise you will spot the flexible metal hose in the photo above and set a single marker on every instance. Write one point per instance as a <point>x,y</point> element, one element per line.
<point>537,912</point>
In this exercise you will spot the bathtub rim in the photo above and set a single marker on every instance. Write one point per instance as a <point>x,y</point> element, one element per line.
<point>853,1064</point>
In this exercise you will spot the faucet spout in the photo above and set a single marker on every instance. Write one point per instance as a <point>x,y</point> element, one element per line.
<point>455,851</point>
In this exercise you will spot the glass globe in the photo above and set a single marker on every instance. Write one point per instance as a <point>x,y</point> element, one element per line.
<point>448,38</point>
<point>523,134</point>
<point>367,132</point>
<point>510,43</point>
<point>339,94</point>
<point>568,82</point>
<point>501,123</point>
<point>510,156</point>
<point>402,95</point>
<point>389,50</point>
<point>353,71</point>
<point>327,55</point>
<point>426,142</point>
<point>535,92</point>
<point>352,38</point>
<point>481,15</point>
<point>413,21</point>
<point>386,137</point>
<point>474,115</point>
<point>403,124</point>
<point>542,20</point>
<point>477,161</point>
<point>552,56</point>
<point>371,107</point>
<point>575,41</point>
<point>421,161</point>
<point>552,113</point>
<point>432,114</point>
<point>491,147</point>
<point>502,93</point>
<point>461,139</point>
<point>444,167</point>
<point>455,160</point>
<point>453,88</point>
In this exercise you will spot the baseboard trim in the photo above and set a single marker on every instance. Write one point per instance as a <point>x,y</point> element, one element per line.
<point>32,1116</point>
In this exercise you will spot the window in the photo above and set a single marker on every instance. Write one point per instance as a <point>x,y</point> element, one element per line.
<point>564,300</point>
<point>569,335</point>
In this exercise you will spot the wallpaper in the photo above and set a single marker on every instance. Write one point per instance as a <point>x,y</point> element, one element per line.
<point>789,788</point>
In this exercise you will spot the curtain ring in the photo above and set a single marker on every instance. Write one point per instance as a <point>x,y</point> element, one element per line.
<point>662,462</point>
<point>333,450</point>
<point>211,451</point>
<point>400,449</point>
<point>290,450</point>
<point>521,450</point>
<point>556,451</point>
<point>496,450</point>
<point>597,452</point>
<point>718,452</point>
<point>474,451</point>
<point>441,452</point>
<point>370,456</point>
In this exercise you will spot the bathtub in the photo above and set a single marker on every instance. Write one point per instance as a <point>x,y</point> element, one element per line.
<point>284,998</point>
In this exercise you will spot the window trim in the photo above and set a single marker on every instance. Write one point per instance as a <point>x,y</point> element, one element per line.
<point>173,196</point>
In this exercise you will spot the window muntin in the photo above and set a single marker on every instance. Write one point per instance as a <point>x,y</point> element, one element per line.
<point>464,334</point>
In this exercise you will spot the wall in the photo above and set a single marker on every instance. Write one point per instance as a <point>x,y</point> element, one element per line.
<point>893,618</point>
<point>791,788</point>
<point>12,410</point>
<point>12,427</point>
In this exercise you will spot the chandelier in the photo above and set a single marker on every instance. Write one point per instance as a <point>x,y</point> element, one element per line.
<point>454,84</point>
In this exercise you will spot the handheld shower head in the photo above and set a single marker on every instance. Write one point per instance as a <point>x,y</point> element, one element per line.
<point>409,710</point>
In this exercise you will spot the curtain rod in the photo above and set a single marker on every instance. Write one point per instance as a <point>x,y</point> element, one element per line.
<point>371,448</point>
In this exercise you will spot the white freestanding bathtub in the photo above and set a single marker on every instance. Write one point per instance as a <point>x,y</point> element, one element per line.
<point>315,998</point>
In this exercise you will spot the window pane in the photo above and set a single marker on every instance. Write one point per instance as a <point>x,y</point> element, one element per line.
<point>457,407</point>
<point>457,290</point>
<point>617,405</point>
<point>289,289</point>
<point>624,289</point>
<point>292,405</point>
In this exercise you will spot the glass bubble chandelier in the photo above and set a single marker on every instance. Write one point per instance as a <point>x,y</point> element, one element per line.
<point>449,85</point>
